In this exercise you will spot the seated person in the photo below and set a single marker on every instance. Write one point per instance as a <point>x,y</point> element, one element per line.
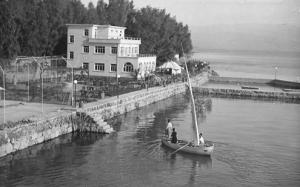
<point>201,139</point>
<point>174,136</point>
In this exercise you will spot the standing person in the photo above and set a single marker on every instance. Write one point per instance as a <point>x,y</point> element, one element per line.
<point>174,136</point>
<point>169,128</point>
<point>201,139</point>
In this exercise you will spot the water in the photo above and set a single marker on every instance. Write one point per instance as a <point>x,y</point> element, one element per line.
<point>254,64</point>
<point>256,144</point>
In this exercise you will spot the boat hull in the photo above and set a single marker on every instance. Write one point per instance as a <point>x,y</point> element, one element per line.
<point>204,150</point>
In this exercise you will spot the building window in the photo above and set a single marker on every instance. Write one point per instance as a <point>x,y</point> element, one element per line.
<point>85,65</point>
<point>100,49</point>
<point>136,50</point>
<point>71,55</point>
<point>113,67</point>
<point>86,32</point>
<point>114,50</point>
<point>86,49</point>
<point>71,38</point>
<point>128,67</point>
<point>99,67</point>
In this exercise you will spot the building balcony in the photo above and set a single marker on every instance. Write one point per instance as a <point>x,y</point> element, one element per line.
<point>137,55</point>
<point>101,41</point>
<point>126,40</point>
<point>146,55</point>
<point>132,38</point>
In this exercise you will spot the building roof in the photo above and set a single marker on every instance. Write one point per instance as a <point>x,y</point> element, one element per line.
<point>91,25</point>
<point>170,65</point>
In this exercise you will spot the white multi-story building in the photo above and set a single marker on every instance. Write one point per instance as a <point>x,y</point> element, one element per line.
<point>105,51</point>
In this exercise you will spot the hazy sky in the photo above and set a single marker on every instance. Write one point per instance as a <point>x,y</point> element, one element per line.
<point>207,12</point>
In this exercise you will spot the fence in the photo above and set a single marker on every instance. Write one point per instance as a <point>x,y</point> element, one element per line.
<point>38,79</point>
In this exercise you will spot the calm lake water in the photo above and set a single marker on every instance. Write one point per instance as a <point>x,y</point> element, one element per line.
<point>254,64</point>
<point>257,143</point>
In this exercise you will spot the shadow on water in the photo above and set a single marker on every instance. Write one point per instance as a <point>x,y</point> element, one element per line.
<point>194,164</point>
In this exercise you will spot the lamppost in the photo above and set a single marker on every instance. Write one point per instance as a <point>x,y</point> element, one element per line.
<point>43,87</point>
<point>117,75</point>
<point>3,73</point>
<point>75,82</point>
<point>276,69</point>
<point>28,82</point>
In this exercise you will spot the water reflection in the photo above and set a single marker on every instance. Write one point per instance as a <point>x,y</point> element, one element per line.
<point>65,151</point>
<point>133,156</point>
<point>198,161</point>
<point>194,164</point>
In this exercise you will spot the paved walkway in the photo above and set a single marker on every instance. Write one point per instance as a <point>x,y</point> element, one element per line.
<point>16,110</point>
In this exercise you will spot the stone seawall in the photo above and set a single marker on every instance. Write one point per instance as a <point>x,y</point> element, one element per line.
<point>253,81</point>
<point>25,135</point>
<point>114,106</point>
<point>249,93</point>
<point>89,118</point>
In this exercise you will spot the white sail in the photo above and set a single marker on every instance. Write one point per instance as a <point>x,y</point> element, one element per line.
<point>192,96</point>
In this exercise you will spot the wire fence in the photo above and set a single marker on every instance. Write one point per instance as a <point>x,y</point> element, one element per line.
<point>49,80</point>
<point>38,79</point>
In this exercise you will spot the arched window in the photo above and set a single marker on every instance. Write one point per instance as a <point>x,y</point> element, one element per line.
<point>128,67</point>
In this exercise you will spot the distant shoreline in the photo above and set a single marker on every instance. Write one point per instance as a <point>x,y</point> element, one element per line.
<point>249,52</point>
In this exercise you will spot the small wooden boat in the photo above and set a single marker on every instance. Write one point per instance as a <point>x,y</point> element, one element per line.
<point>187,147</point>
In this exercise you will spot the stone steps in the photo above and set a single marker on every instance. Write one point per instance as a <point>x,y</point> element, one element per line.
<point>102,124</point>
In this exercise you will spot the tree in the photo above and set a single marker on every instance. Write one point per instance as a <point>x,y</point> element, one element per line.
<point>75,12</point>
<point>161,34</point>
<point>92,16</point>
<point>8,42</point>
<point>43,30</point>
<point>117,11</point>
<point>55,24</point>
<point>37,27</point>
<point>101,12</point>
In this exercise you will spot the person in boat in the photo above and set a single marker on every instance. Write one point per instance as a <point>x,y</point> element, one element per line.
<point>201,139</point>
<point>169,129</point>
<point>174,136</point>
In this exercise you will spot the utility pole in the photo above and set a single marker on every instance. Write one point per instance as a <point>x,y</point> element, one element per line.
<point>3,73</point>
<point>117,76</point>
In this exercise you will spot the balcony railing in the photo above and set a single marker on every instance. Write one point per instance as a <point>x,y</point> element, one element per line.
<point>132,38</point>
<point>146,55</point>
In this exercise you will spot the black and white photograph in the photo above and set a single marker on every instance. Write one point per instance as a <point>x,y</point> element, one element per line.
<point>149,93</point>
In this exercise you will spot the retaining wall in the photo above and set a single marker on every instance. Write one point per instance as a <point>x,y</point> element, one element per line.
<point>234,80</point>
<point>249,93</point>
<point>25,135</point>
<point>114,106</point>
<point>272,82</point>
<point>41,130</point>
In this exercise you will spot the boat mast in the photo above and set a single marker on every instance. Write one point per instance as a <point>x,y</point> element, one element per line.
<point>192,96</point>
